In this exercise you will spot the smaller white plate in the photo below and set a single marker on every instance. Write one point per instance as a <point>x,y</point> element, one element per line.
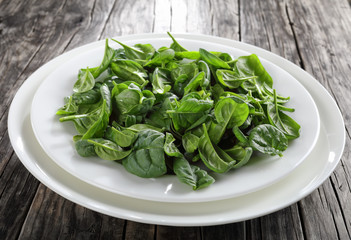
<point>56,137</point>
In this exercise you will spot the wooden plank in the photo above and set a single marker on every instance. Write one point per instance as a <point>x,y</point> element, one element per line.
<point>225,21</point>
<point>199,17</point>
<point>170,233</point>
<point>284,224</point>
<point>93,17</point>
<point>135,231</point>
<point>253,229</point>
<point>191,16</point>
<point>162,16</point>
<point>17,190</point>
<point>227,231</point>
<point>179,15</point>
<point>323,43</point>
<point>71,221</point>
<point>258,26</point>
<point>129,17</point>
<point>262,28</point>
<point>17,49</point>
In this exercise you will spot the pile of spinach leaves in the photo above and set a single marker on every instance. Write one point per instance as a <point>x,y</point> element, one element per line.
<point>162,111</point>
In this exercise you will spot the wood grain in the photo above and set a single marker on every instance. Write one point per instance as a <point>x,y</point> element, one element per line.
<point>51,215</point>
<point>315,35</point>
<point>17,191</point>
<point>325,51</point>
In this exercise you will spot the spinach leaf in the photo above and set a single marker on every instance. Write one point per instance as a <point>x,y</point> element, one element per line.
<point>107,59</point>
<point>161,58</point>
<point>98,127</point>
<point>133,101</point>
<point>83,122</point>
<point>212,59</point>
<point>69,108</point>
<point>191,175</point>
<point>175,45</point>
<point>89,97</point>
<point>131,106</point>
<point>214,157</point>
<point>158,116</point>
<point>231,79</point>
<point>129,70</point>
<point>268,139</point>
<point>85,82</point>
<point>141,127</point>
<point>122,137</point>
<point>228,114</point>
<point>184,71</point>
<point>194,83</point>
<point>190,142</point>
<point>190,109</point>
<point>170,148</point>
<point>147,159</point>
<point>240,154</point>
<point>108,150</point>
<point>161,80</point>
<point>138,52</point>
<point>282,121</point>
<point>148,49</point>
<point>194,55</point>
<point>251,66</point>
<point>207,78</point>
<point>84,148</point>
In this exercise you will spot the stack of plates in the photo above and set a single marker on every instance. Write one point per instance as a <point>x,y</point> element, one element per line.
<point>45,147</point>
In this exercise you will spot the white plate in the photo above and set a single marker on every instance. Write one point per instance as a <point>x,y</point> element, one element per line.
<point>56,137</point>
<point>302,181</point>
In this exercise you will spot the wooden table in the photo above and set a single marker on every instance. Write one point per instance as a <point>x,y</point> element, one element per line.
<point>314,34</point>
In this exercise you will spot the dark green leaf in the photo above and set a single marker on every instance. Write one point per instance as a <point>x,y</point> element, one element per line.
<point>228,114</point>
<point>85,148</point>
<point>147,159</point>
<point>108,56</point>
<point>129,70</point>
<point>85,82</point>
<point>139,51</point>
<point>161,81</point>
<point>175,45</point>
<point>108,150</point>
<point>231,79</point>
<point>69,108</point>
<point>169,147</point>
<point>251,66</point>
<point>268,139</point>
<point>212,59</point>
<point>240,154</point>
<point>122,137</point>
<point>190,142</point>
<point>214,157</point>
<point>191,175</point>
<point>161,58</point>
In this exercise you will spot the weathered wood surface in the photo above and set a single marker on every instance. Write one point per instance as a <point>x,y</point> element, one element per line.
<point>313,34</point>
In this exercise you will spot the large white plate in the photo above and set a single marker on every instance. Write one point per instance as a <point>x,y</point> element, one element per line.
<point>56,137</point>
<point>302,181</point>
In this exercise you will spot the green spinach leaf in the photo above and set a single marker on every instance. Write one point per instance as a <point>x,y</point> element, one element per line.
<point>268,139</point>
<point>147,159</point>
<point>191,175</point>
<point>108,150</point>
